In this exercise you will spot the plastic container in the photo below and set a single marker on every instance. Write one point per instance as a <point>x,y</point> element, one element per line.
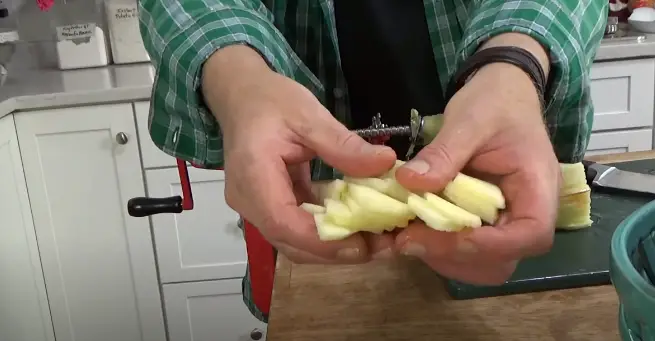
<point>81,46</point>
<point>632,263</point>
<point>80,37</point>
<point>124,35</point>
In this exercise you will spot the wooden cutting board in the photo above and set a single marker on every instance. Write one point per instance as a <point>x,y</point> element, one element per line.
<point>578,258</point>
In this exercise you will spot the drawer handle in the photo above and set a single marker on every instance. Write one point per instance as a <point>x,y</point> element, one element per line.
<point>121,138</point>
<point>256,334</point>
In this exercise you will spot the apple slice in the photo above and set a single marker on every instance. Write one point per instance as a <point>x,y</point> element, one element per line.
<point>486,192</point>
<point>457,215</point>
<point>311,208</point>
<point>385,185</point>
<point>366,221</point>
<point>328,231</point>
<point>474,204</point>
<point>377,184</point>
<point>378,203</point>
<point>337,212</point>
<point>574,211</point>
<point>574,179</point>
<point>431,217</point>
<point>333,189</point>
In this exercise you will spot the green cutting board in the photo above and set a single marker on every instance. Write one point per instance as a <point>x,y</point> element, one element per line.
<point>578,258</point>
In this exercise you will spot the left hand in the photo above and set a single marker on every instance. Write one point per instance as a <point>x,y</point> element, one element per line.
<point>494,130</point>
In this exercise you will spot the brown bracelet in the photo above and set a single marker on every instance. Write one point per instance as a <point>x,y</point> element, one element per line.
<point>501,54</point>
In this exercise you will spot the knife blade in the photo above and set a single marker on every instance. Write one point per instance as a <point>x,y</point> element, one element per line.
<point>604,176</point>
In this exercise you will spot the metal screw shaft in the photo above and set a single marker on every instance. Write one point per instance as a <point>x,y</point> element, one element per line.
<point>392,131</point>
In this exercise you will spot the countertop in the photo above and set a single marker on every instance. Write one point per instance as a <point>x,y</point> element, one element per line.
<point>28,87</point>
<point>404,300</point>
<point>627,47</point>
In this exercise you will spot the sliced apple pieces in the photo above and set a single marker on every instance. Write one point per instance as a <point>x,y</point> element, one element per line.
<point>328,231</point>
<point>454,213</point>
<point>379,204</point>
<point>311,208</point>
<point>574,179</point>
<point>431,217</point>
<point>574,211</point>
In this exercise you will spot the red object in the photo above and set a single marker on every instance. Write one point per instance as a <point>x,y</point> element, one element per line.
<point>261,255</point>
<point>45,5</point>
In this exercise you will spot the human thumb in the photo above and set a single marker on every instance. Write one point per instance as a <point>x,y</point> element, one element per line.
<point>440,161</point>
<point>346,151</point>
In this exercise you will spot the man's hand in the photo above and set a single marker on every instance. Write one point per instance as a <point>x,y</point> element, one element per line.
<point>493,129</point>
<point>272,127</point>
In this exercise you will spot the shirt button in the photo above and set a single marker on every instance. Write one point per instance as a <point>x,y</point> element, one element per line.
<point>338,93</point>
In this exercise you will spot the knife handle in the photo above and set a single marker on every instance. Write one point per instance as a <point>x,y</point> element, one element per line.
<point>590,173</point>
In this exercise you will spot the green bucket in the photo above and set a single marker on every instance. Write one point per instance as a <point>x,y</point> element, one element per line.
<point>632,269</point>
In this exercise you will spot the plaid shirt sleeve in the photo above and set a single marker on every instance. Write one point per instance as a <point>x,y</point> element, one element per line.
<point>180,35</point>
<point>572,31</point>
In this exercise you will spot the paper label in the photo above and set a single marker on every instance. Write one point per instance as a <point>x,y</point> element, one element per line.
<point>75,31</point>
<point>126,13</point>
<point>8,37</point>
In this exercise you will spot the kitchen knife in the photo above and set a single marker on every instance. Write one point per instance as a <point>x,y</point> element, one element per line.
<point>604,176</point>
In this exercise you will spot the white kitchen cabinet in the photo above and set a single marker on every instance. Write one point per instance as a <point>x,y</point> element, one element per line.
<point>622,93</point>
<point>82,165</point>
<point>201,244</point>
<point>152,156</point>
<point>24,311</point>
<point>620,142</point>
<point>210,311</point>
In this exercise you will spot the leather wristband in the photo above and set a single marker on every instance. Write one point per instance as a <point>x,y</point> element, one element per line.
<point>501,54</point>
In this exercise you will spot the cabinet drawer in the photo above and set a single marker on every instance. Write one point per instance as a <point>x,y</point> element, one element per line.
<point>620,142</point>
<point>201,244</point>
<point>151,155</point>
<point>622,93</point>
<point>209,311</point>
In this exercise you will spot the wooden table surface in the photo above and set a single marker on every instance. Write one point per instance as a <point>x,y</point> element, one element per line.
<point>404,300</point>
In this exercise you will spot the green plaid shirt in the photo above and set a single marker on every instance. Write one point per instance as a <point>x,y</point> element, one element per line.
<point>298,39</point>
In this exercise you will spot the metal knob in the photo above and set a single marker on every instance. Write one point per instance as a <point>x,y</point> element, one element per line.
<point>256,334</point>
<point>121,138</point>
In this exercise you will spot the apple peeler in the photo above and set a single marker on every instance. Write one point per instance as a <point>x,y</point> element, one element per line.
<point>261,255</point>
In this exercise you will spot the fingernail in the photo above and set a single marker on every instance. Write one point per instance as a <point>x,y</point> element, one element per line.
<point>383,255</point>
<point>418,166</point>
<point>348,254</point>
<point>413,249</point>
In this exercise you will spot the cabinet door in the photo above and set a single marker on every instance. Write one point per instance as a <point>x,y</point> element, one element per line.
<point>210,311</point>
<point>620,142</point>
<point>152,156</point>
<point>622,93</point>
<point>24,311</point>
<point>204,243</point>
<point>82,166</point>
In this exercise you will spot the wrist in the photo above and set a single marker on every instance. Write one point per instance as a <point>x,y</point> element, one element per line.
<point>225,75</point>
<point>509,79</point>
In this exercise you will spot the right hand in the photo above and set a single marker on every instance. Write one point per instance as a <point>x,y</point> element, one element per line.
<point>272,127</point>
